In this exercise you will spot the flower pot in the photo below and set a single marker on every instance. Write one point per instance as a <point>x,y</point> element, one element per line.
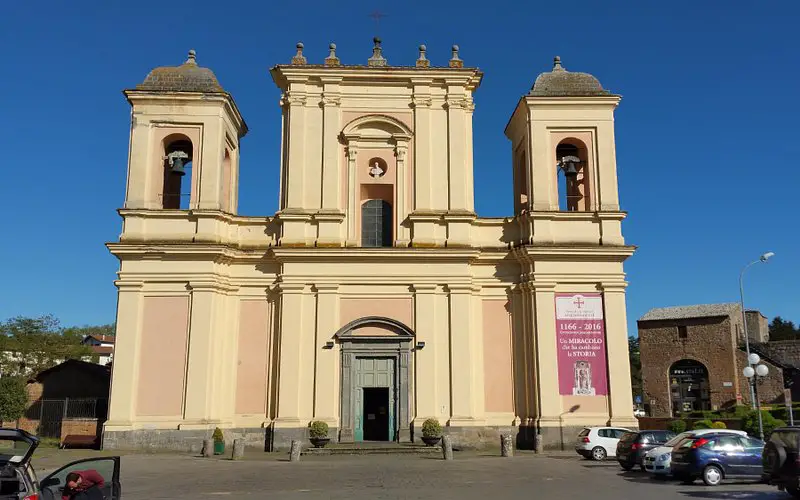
<point>431,440</point>
<point>320,442</point>
<point>219,447</point>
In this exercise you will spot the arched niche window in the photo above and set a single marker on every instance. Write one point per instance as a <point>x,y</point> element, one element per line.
<point>376,224</point>
<point>177,189</point>
<point>573,181</point>
<point>522,183</point>
<point>226,182</point>
<point>689,387</point>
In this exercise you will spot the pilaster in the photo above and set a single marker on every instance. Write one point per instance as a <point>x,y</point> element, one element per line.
<point>421,102</point>
<point>543,180</point>
<point>403,237</point>
<point>427,389</point>
<point>330,233</point>
<point>326,387</point>
<point>209,173</point>
<point>295,172</point>
<point>139,175</point>
<point>200,376</point>
<point>463,356</point>
<point>352,214</point>
<point>292,317</point>
<point>125,371</point>
<point>457,143</point>
<point>545,348</point>
<point>619,374</point>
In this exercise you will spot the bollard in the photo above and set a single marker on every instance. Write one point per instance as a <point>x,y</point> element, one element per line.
<point>238,449</point>
<point>294,454</point>
<point>506,446</point>
<point>538,443</point>
<point>447,447</point>
<point>208,448</point>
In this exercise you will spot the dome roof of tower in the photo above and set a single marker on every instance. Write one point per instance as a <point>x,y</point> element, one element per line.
<point>562,83</point>
<point>188,77</point>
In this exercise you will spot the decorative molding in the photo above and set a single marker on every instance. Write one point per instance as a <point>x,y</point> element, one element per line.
<point>331,100</point>
<point>421,101</point>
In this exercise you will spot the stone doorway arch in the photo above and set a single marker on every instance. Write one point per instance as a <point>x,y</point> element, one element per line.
<point>375,338</point>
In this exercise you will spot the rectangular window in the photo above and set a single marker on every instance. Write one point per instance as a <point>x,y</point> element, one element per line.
<point>682,332</point>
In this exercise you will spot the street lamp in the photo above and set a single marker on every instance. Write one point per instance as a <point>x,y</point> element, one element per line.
<point>765,257</point>
<point>752,374</point>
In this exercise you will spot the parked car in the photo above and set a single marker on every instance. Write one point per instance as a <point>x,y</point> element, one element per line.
<point>781,460</point>
<point>633,445</point>
<point>598,443</point>
<point>716,456</point>
<point>18,480</point>
<point>657,460</point>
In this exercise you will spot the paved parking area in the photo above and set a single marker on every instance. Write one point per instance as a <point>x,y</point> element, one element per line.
<point>469,476</point>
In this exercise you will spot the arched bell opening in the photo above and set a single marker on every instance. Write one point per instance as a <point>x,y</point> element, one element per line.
<point>573,178</point>
<point>178,155</point>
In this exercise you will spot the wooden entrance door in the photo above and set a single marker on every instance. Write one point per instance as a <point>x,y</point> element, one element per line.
<point>374,373</point>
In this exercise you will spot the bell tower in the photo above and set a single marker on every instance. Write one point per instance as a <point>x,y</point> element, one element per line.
<point>184,144</point>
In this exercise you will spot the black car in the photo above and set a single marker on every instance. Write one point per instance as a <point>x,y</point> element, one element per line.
<point>633,446</point>
<point>781,460</point>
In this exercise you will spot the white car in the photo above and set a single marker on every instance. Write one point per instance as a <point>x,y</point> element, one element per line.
<point>657,461</point>
<point>598,443</point>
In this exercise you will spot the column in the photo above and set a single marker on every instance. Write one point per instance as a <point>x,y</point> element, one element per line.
<point>545,352</point>
<point>201,373</point>
<point>619,374</point>
<point>427,389</point>
<point>296,101</point>
<point>352,214</point>
<point>326,387</point>
<point>402,238</point>
<point>456,146</point>
<point>125,371</point>
<point>422,145</point>
<point>463,358</point>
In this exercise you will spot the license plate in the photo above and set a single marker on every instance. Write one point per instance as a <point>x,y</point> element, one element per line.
<point>623,457</point>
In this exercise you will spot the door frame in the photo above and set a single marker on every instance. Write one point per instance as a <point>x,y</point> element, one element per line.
<point>397,344</point>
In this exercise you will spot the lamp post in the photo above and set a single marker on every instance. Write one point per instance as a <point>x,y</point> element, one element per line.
<point>752,375</point>
<point>765,257</point>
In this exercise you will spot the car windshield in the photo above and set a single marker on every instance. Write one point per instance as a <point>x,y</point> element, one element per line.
<point>12,450</point>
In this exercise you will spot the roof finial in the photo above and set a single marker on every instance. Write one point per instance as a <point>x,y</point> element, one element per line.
<point>455,62</point>
<point>557,64</point>
<point>299,58</point>
<point>332,60</point>
<point>377,58</point>
<point>423,61</point>
<point>192,57</point>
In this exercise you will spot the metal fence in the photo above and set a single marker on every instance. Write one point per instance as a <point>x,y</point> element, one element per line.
<point>50,413</point>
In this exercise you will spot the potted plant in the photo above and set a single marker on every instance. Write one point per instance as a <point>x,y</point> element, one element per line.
<point>431,431</point>
<point>318,433</point>
<point>219,441</point>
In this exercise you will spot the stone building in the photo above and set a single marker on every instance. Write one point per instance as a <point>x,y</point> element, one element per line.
<point>375,297</point>
<point>692,359</point>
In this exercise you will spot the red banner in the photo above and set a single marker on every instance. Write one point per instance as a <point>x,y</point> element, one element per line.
<point>580,333</point>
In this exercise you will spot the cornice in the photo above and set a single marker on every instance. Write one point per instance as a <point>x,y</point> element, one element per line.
<point>392,254</point>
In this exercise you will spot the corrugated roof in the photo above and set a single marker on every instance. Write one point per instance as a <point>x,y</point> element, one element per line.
<point>695,311</point>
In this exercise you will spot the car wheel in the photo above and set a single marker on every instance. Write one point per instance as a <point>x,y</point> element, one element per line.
<point>598,453</point>
<point>795,492</point>
<point>712,475</point>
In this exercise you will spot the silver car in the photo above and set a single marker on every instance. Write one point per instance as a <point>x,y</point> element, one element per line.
<point>18,480</point>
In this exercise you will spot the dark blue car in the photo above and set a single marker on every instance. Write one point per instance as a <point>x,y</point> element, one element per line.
<point>714,457</point>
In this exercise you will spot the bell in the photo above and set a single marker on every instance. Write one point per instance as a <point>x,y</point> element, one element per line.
<point>176,166</point>
<point>569,164</point>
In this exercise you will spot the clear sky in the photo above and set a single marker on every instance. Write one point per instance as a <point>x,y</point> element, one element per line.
<point>707,131</point>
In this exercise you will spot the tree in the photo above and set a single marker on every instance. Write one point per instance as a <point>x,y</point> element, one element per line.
<point>636,365</point>
<point>95,331</point>
<point>31,345</point>
<point>13,398</point>
<point>779,329</point>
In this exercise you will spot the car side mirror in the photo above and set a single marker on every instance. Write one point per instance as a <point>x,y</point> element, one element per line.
<point>50,482</point>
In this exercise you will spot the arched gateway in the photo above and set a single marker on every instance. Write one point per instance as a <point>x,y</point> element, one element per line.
<point>374,402</point>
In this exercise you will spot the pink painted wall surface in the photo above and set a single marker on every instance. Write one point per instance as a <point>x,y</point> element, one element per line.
<point>497,364</point>
<point>400,309</point>
<point>252,369</point>
<point>162,363</point>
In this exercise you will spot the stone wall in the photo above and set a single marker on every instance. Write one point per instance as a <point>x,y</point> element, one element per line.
<point>709,341</point>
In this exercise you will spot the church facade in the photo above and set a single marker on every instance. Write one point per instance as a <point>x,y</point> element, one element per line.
<point>375,298</point>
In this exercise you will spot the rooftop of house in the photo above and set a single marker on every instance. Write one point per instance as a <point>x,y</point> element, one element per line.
<point>690,312</point>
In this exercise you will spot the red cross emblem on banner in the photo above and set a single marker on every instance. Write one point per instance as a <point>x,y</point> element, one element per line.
<point>578,302</point>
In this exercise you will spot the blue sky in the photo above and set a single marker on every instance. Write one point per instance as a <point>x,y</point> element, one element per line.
<point>706,132</point>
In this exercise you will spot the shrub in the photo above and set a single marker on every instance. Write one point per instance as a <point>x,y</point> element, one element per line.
<point>13,398</point>
<point>750,423</point>
<point>702,424</point>
<point>677,426</point>
<point>719,425</point>
<point>431,428</point>
<point>318,430</point>
<point>217,436</point>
